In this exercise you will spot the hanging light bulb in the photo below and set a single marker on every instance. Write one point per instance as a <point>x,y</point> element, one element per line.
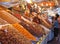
<point>46,4</point>
<point>51,4</point>
<point>42,4</point>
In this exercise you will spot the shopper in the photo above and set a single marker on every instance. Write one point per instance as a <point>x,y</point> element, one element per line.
<point>56,29</point>
<point>59,28</point>
<point>53,19</point>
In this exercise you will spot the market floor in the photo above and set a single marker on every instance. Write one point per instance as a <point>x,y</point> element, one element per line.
<point>54,41</point>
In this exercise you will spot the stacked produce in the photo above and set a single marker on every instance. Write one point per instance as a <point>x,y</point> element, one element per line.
<point>24,28</point>
<point>44,22</point>
<point>9,35</point>
<point>8,17</point>
<point>32,27</point>
<point>23,31</point>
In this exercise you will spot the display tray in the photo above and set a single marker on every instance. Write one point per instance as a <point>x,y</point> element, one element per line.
<point>41,39</point>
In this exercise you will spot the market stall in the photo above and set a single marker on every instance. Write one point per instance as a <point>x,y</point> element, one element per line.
<point>29,20</point>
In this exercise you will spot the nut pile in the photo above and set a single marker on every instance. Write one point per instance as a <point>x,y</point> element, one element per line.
<point>9,35</point>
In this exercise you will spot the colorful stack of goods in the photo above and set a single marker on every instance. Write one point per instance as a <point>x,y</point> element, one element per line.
<point>23,31</point>
<point>32,27</point>
<point>8,17</point>
<point>9,35</point>
<point>45,22</point>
